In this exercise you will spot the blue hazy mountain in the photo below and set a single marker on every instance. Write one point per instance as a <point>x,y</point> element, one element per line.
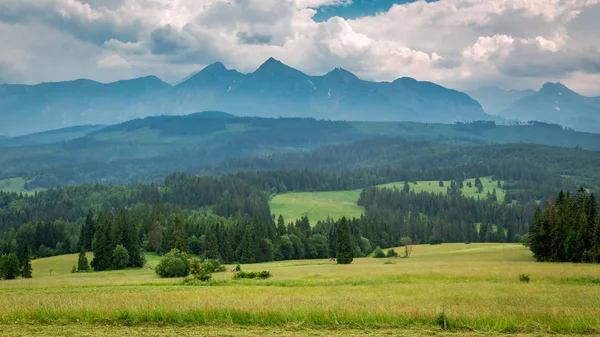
<point>555,103</point>
<point>273,90</point>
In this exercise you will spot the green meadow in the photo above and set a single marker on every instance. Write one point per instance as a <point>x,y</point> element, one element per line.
<point>16,185</point>
<point>335,204</point>
<point>478,284</point>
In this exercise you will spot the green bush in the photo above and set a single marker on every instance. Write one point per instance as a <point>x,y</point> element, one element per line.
<point>392,253</point>
<point>524,278</point>
<point>9,266</point>
<point>378,253</point>
<point>264,274</point>
<point>174,264</point>
<point>120,257</point>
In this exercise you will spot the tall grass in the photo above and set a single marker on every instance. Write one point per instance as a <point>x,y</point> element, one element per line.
<point>477,284</point>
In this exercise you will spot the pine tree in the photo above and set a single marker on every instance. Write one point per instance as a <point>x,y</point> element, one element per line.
<point>25,261</point>
<point>406,187</point>
<point>83,264</point>
<point>344,246</point>
<point>178,235</point>
<point>87,232</point>
<point>102,244</point>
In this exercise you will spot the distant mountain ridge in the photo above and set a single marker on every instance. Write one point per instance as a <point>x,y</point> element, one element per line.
<point>556,103</point>
<point>273,90</point>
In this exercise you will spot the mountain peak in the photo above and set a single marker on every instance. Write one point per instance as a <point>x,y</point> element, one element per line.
<point>215,66</point>
<point>557,88</point>
<point>215,72</point>
<point>341,74</point>
<point>273,67</point>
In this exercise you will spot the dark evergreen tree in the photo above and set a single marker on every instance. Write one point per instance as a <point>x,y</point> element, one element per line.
<point>87,232</point>
<point>25,261</point>
<point>102,245</point>
<point>344,245</point>
<point>83,265</point>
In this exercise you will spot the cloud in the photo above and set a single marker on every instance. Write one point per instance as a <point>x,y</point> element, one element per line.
<point>458,43</point>
<point>113,61</point>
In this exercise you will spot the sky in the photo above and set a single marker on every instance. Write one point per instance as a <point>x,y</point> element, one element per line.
<point>457,43</point>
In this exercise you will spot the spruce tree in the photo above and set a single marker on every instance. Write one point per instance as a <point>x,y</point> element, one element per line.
<point>102,245</point>
<point>25,261</point>
<point>344,246</point>
<point>83,265</point>
<point>87,232</point>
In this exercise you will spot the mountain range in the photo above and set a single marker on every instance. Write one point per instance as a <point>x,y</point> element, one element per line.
<point>273,90</point>
<point>277,90</point>
<point>553,103</point>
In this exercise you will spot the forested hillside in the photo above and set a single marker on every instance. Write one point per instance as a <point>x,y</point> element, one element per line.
<point>148,149</point>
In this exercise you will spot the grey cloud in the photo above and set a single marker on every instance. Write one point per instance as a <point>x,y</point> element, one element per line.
<point>246,38</point>
<point>72,18</point>
<point>525,62</point>
<point>166,40</point>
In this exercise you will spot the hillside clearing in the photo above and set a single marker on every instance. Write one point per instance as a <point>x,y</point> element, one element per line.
<point>335,204</point>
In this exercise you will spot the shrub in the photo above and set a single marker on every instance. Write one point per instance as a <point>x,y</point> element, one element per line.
<point>389,262</point>
<point>392,253</point>
<point>378,254</point>
<point>238,267</point>
<point>433,241</point>
<point>264,274</point>
<point>120,257</point>
<point>74,269</point>
<point>9,266</point>
<point>199,271</point>
<point>524,278</point>
<point>174,264</point>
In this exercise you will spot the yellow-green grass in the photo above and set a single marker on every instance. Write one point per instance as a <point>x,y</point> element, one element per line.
<point>215,330</point>
<point>317,205</point>
<point>16,185</point>
<point>477,283</point>
<point>335,204</point>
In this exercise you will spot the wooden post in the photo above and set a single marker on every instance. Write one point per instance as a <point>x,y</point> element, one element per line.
<point>444,315</point>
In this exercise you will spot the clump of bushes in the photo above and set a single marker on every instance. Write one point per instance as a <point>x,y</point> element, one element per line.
<point>174,264</point>
<point>199,271</point>
<point>378,253</point>
<point>524,278</point>
<point>263,275</point>
<point>392,253</point>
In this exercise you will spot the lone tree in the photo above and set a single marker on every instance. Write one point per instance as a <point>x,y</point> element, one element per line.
<point>83,265</point>
<point>344,247</point>
<point>407,243</point>
<point>25,261</point>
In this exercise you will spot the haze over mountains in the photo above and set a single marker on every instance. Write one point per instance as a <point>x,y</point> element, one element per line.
<point>273,90</point>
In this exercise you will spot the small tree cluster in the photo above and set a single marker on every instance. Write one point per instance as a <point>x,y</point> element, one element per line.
<point>13,265</point>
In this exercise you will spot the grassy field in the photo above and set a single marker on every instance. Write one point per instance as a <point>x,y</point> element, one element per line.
<point>477,283</point>
<point>16,185</point>
<point>335,204</point>
<point>317,205</point>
